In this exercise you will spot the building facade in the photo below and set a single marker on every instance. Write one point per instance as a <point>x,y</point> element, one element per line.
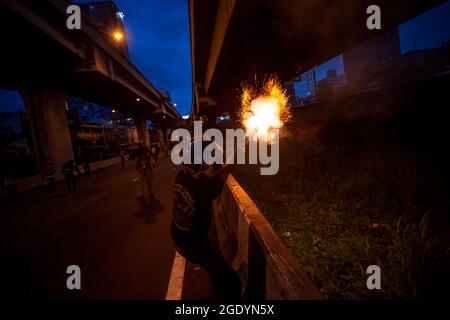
<point>109,20</point>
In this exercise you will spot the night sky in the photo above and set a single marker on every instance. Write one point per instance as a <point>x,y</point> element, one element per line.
<point>159,45</point>
<point>158,40</point>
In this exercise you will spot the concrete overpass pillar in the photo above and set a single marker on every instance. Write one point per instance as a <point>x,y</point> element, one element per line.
<point>142,131</point>
<point>46,107</point>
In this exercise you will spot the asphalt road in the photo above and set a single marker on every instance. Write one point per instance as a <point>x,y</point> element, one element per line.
<point>122,247</point>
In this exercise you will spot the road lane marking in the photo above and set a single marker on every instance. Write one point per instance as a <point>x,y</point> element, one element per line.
<point>175,288</point>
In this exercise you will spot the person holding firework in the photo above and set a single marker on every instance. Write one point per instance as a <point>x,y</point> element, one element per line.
<point>195,187</point>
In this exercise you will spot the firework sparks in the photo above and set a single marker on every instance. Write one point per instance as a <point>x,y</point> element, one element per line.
<point>263,109</point>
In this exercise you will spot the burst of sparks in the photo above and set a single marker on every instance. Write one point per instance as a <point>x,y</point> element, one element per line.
<point>263,109</point>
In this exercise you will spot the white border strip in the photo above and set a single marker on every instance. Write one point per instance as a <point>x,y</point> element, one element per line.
<point>175,288</point>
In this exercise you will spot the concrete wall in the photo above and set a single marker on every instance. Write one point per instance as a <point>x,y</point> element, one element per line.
<point>33,182</point>
<point>248,242</point>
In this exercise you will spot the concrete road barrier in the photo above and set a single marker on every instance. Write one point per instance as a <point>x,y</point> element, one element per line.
<point>248,241</point>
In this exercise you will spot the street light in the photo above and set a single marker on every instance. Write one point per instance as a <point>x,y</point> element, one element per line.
<point>137,99</point>
<point>118,36</point>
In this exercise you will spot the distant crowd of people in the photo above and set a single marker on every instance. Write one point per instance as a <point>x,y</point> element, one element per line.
<point>146,158</point>
<point>153,152</point>
<point>69,170</point>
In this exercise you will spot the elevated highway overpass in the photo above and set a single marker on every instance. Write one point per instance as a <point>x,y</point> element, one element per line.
<point>233,41</point>
<point>245,38</point>
<point>45,60</point>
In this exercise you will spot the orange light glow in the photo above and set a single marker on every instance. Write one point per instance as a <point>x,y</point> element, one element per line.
<point>118,36</point>
<point>263,109</point>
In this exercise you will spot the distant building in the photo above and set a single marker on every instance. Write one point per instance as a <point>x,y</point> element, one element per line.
<point>92,124</point>
<point>359,61</point>
<point>290,91</point>
<point>91,134</point>
<point>11,123</point>
<point>109,20</point>
<point>331,85</point>
<point>14,132</point>
<point>89,113</point>
<point>336,81</point>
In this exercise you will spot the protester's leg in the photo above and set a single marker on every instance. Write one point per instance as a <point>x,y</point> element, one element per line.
<point>68,181</point>
<point>52,184</point>
<point>225,280</point>
<point>140,187</point>
<point>12,191</point>
<point>148,180</point>
<point>198,250</point>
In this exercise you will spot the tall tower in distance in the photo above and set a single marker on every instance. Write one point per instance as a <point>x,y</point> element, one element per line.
<point>109,20</point>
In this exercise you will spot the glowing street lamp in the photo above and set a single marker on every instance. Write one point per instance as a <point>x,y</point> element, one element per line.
<point>118,36</point>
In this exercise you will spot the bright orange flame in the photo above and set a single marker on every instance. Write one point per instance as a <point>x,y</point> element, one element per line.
<point>118,36</point>
<point>264,109</point>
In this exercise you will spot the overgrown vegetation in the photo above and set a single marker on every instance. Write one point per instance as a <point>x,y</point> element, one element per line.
<point>341,203</point>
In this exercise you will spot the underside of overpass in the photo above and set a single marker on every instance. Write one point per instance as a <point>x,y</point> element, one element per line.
<point>253,38</point>
<point>43,50</point>
<point>45,60</point>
